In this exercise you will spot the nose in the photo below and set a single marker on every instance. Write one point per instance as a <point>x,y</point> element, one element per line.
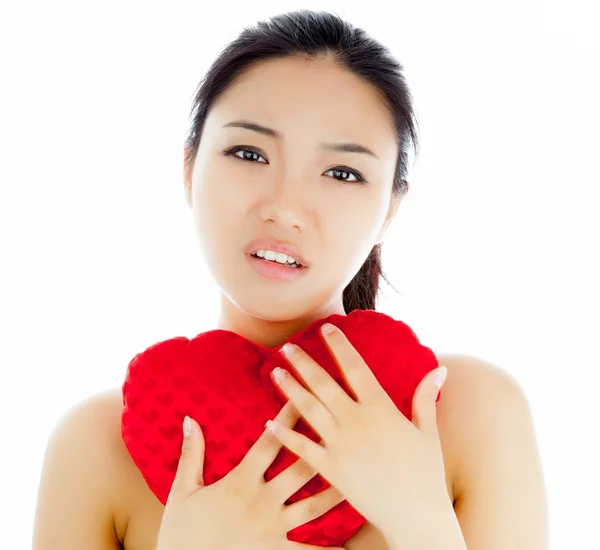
<point>285,206</point>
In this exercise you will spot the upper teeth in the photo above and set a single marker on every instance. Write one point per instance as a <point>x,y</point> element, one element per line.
<point>275,256</point>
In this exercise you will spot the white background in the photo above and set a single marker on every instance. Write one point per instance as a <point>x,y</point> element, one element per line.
<point>495,250</point>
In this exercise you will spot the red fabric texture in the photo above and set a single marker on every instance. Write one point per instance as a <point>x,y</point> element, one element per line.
<point>223,381</point>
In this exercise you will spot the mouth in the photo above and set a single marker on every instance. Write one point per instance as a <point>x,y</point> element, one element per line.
<point>273,250</point>
<point>286,271</point>
<point>286,262</point>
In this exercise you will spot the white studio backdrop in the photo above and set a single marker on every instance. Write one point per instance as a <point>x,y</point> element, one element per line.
<point>495,250</point>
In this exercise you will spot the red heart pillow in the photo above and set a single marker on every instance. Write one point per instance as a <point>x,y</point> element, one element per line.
<point>223,381</point>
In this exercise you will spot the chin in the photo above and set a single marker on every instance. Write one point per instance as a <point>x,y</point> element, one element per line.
<point>274,301</point>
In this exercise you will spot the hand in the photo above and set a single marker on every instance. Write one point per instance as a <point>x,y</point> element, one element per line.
<point>241,511</point>
<point>389,468</point>
<point>368,537</point>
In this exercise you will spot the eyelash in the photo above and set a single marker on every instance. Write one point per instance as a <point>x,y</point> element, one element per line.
<point>359,178</point>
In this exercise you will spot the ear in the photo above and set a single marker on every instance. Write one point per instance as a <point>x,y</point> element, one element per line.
<point>393,208</point>
<point>188,170</point>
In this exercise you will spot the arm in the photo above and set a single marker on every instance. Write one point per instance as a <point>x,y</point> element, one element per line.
<point>487,432</point>
<point>73,506</point>
<point>501,496</point>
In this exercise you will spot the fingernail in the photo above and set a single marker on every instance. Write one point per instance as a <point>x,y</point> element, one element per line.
<point>278,374</point>
<point>327,328</point>
<point>288,350</point>
<point>187,427</point>
<point>440,377</point>
<point>271,425</point>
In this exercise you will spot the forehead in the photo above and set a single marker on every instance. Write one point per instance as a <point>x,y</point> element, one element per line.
<point>315,95</point>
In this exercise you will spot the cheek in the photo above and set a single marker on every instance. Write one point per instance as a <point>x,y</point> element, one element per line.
<point>216,201</point>
<point>213,212</point>
<point>354,223</point>
<point>351,230</point>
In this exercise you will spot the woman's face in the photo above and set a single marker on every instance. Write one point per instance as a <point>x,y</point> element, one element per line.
<point>293,185</point>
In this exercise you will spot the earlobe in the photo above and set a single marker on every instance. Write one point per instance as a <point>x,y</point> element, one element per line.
<point>384,230</point>
<point>383,233</point>
<point>394,204</point>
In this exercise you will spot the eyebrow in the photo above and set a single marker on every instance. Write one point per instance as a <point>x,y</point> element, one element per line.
<point>338,147</point>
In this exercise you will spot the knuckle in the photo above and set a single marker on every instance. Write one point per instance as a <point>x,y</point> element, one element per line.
<point>336,496</point>
<point>335,399</point>
<point>186,453</point>
<point>339,401</point>
<point>265,446</point>
<point>311,405</point>
<point>235,486</point>
<point>314,508</point>
<point>330,497</point>
<point>316,380</point>
<point>262,443</point>
<point>266,443</point>
<point>352,410</point>
<point>300,448</point>
<point>303,469</point>
<point>289,414</point>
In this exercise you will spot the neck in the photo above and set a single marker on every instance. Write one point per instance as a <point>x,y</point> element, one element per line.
<point>266,332</point>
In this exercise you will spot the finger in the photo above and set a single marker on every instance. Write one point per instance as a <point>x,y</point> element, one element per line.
<point>311,409</point>
<point>262,454</point>
<point>356,372</point>
<point>316,455</point>
<point>292,479</point>
<point>312,507</point>
<point>424,410</point>
<point>189,475</point>
<point>318,381</point>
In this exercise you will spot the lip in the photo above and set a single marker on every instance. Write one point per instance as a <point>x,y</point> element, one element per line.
<point>276,246</point>
<point>275,271</point>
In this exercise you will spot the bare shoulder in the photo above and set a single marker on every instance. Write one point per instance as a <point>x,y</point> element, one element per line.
<point>86,464</point>
<point>475,396</point>
<point>488,438</point>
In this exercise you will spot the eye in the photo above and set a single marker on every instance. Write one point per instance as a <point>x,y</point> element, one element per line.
<point>343,173</point>
<point>249,154</point>
<point>245,153</point>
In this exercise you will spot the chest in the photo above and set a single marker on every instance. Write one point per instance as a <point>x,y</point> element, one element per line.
<point>140,515</point>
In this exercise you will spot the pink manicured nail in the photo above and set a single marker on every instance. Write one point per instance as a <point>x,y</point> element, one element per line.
<point>272,425</point>
<point>327,328</point>
<point>187,427</point>
<point>278,374</point>
<point>440,377</point>
<point>288,350</point>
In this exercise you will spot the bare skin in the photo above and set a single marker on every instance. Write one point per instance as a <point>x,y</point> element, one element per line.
<point>111,507</point>
<point>290,191</point>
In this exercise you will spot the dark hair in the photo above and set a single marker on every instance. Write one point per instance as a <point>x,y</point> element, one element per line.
<point>314,34</point>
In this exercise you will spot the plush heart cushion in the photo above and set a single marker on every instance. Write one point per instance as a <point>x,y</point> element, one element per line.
<point>223,381</point>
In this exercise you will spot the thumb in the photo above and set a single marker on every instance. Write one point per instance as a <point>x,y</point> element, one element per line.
<point>189,475</point>
<point>424,402</point>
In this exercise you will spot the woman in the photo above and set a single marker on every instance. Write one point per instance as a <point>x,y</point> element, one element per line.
<point>298,150</point>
